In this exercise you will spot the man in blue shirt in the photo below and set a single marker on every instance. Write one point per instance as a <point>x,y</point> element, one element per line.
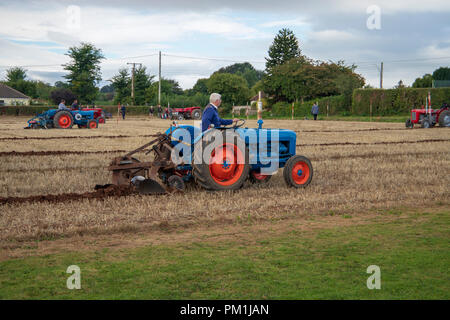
<point>315,110</point>
<point>211,114</point>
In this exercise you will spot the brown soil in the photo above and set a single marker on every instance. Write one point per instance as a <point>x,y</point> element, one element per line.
<point>111,191</point>
<point>52,153</point>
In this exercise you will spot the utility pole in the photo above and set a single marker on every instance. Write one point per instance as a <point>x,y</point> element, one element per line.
<point>381,76</point>
<point>159,82</point>
<point>132,78</point>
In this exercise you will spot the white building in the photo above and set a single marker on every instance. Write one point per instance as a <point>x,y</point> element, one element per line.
<point>12,97</point>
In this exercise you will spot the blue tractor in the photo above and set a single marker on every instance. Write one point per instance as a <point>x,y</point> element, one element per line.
<point>63,119</point>
<point>217,159</point>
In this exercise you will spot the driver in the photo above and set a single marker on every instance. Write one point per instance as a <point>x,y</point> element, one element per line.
<point>211,114</point>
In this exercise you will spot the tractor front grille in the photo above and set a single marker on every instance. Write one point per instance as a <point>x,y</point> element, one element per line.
<point>413,116</point>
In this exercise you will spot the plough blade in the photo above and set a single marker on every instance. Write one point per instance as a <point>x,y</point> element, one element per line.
<point>149,186</point>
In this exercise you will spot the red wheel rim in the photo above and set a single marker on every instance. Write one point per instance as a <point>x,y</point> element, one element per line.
<point>92,125</point>
<point>259,176</point>
<point>300,172</point>
<point>101,120</point>
<point>64,121</point>
<point>226,164</point>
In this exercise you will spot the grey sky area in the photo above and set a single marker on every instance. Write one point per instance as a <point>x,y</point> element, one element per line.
<point>412,38</point>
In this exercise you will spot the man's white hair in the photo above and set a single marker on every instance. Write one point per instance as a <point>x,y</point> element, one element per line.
<point>214,97</point>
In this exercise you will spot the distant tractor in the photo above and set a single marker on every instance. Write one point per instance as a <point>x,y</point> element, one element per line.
<point>99,114</point>
<point>63,119</point>
<point>428,117</point>
<point>187,113</point>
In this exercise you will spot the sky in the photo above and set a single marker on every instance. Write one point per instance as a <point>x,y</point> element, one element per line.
<point>198,37</point>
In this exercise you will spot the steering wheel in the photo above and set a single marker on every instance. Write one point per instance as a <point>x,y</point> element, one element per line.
<point>239,123</point>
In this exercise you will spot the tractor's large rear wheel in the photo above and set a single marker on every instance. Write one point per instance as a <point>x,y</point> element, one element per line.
<point>298,172</point>
<point>196,114</point>
<point>63,120</point>
<point>444,119</point>
<point>220,161</point>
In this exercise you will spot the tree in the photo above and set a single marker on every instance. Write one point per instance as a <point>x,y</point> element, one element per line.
<point>62,93</point>
<point>303,78</point>
<point>61,84</point>
<point>400,85</point>
<point>443,73</point>
<point>122,86</point>
<point>107,89</point>
<point>201,86</point>
<point>15,74</point>
<point>84,71</point>
<point>142,81</point>
<point>285,47</point>
<point>245,70</point>
<point>16,79</point>
<point>233,88</point>
<point>425,82</point>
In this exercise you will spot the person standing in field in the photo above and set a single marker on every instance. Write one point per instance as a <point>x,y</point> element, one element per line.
<point>315,110</point>
<point>159,111</point>
<point>123,110</point>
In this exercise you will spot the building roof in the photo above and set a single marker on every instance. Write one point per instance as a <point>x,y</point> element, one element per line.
<point>8,92</point>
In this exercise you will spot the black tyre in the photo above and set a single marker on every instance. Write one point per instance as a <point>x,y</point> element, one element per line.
<point>444,118</point>
<point>298,172</point>
<point>63,120</point>
<point>180,117</point>
<point>196,114</point>
<point>426,124</point>
<point>220,161</point>
<point>176,182</point>
<point>92,124</point>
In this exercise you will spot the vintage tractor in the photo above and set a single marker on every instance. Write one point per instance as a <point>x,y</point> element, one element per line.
<point>63,119</point>
<point>99,114</point>
<point>217,159</point>
<point>428,117</point>
<point>187,113</point>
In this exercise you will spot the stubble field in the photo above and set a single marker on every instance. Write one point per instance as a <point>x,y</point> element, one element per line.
<point>379,195</point>
<point>358,167</point>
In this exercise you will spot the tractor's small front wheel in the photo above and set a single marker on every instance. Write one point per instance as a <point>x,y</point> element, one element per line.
<point>298,172</point>
<point>176,182</point>
<point>92,124</point>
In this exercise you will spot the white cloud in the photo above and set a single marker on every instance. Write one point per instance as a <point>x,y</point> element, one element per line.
<point>285,23</point>
<point>332,35</point>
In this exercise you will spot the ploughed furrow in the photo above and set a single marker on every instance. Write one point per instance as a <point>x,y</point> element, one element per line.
<point>52,169</point>
<point>350,130</point>
<point>111,191</point>
<point>52,153</point>
<point>75,137</point>
<point>368,143</point>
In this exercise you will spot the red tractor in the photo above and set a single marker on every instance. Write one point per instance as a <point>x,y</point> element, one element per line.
<point>187,113</point>
<point>99,115</point>
<point>428,117</point>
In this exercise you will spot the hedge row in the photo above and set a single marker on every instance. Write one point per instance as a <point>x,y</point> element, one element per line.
<point>336,105</point>
<point>395,101</point>
<point>34,110</point>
